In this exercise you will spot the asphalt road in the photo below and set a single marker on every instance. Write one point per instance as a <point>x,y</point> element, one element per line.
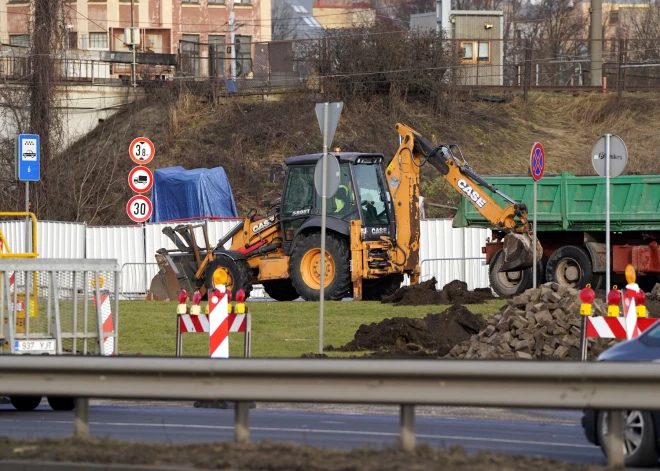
<point>561,440</point>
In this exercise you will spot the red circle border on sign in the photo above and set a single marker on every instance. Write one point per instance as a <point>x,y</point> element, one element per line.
<point>537,145</point>
<point>137,198</point>
<point>131,183</point>
<point>151,145</point>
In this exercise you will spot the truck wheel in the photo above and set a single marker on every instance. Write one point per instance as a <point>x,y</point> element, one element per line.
<point>25,403</point>
<point>638,438</point>
<point>569,266</point>
<point>507,284</point>
<point>239,274</point>
<point>61,403</point>
<point>305,267</point>
<point>280,290</point>
<point>376,290</point>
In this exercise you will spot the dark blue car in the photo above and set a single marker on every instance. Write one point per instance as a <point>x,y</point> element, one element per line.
<point>641,435</point>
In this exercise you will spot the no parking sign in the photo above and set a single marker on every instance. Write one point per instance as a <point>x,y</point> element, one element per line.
<point>537,161</point>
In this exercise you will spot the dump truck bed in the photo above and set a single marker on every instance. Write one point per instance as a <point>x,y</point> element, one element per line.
<point>567,202</point>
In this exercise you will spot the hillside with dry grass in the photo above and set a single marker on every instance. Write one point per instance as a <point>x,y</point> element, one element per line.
<point>246,136</point>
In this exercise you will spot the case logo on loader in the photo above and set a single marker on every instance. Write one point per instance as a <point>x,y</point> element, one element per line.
<point>471,193</point>
<point>264,224</point>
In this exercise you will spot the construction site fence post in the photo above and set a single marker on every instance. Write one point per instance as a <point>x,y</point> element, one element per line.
<point>81,418</point>
<point>407,439</point>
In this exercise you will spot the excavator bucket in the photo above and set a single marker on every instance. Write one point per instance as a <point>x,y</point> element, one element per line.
<point>519,252</point>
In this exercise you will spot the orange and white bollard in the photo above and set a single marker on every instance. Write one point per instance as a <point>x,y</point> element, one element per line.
<point>219,316</point>
<point>629,305</point>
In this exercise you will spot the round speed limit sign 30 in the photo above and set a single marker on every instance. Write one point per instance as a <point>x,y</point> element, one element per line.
<point>142,150</point>
<point>139,208</point>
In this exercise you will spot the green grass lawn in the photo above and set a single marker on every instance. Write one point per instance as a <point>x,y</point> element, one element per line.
<point>279,329</point>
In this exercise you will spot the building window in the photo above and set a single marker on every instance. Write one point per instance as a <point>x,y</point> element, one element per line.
<point>468,53</point>
<point>484,52</point>
<point>241,2</point>
<point>22,40</point>
<point>98,40</point>
<point>243,48</point>
<point>190,1</point>
<point>72,40</point>
<point>614,17</point>
<point>219,44</point>
<point>476,52</point>
<point>189,49</point>
<point>216,2</point>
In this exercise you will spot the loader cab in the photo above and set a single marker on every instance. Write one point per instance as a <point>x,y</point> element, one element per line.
<point>362,195</point>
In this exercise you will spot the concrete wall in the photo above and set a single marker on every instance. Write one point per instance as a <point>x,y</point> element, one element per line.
<point>82,107</point>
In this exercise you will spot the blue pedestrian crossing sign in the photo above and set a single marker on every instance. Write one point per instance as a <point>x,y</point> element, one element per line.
<point>28,158</point>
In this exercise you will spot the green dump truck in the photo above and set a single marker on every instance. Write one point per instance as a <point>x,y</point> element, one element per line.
<point>571,229</point>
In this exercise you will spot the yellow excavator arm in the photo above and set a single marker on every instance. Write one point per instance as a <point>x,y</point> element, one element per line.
<point>403,180</point>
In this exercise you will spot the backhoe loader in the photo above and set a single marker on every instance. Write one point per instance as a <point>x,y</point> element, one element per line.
<point>373,229</point>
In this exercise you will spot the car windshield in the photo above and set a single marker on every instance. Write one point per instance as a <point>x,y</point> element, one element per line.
<point>651,337</point>
<point>371,194</point>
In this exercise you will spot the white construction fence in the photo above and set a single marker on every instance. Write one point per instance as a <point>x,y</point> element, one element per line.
<point>446,253</point>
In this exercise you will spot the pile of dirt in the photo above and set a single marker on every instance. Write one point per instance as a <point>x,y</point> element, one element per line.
<point>425,293</point>
<point>542,323</point>
<point>260,456</point>
<point>435,334</point>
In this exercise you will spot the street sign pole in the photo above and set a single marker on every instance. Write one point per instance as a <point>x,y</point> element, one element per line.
<point>324,191</point>
<point>27,219</point>
<point>537,168</point>
<point>535,240</point>
<point>607,213</point>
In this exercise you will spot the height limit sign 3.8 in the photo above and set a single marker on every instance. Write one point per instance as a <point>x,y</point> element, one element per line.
<point>140,179</point>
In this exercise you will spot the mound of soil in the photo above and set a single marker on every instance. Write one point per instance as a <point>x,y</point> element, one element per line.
<point>425,293</point>
<point>404,336</point>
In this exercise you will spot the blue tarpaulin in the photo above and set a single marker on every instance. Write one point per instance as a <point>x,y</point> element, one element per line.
<point>188,194</point>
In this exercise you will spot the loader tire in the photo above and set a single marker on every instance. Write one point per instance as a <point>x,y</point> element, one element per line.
<point>280,290</point>
<point>240,274</point>
<point>305,267</point>
<point>507,284</point>
<point>376,290</point>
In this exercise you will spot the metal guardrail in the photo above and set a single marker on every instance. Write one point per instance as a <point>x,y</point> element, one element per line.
<point>603,386</point>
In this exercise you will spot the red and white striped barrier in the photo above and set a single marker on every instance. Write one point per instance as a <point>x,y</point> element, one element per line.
<point>198,324</point>
<point>191,324</point>
<point>108,343</point>
<point>615,327</point>
<point>218,324</point>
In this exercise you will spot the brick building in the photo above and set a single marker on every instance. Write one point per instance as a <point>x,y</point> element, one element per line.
<point>99,24</point>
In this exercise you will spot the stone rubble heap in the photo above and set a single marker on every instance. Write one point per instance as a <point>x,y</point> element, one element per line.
<point>542,323</point>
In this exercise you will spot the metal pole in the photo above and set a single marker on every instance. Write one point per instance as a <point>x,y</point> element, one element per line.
<point>241,425</point>
<point>534,241</point>
<point>27,222</point>
<point>607,213</point>
<point>324,191</point>
<point>596,33</point>
<point>133,64</point>
<point>407,427</point>
<point>583,338</point>
<point>232,40</point>
<point>81,418</point>
<point>615,457</point>
<point>178,336</point>
<point>74,293</point>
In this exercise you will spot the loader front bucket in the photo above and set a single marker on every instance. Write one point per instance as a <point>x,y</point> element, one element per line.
<point>518,251</point>
<point>177,272</point>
